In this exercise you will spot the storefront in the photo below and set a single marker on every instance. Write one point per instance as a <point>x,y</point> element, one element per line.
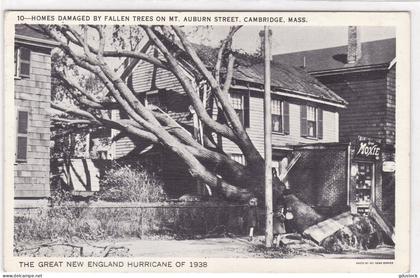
<point>365,186</point>
<point>334,177</point>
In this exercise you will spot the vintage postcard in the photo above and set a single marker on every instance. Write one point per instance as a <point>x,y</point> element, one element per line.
<point>207,141</point>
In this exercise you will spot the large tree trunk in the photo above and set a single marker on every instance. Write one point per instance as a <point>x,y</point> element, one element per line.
<point>233,180</point>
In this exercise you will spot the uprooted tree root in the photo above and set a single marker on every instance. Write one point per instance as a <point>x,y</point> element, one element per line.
<point>363,234</point>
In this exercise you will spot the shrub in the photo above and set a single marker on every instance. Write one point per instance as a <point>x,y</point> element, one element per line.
<point>72,223</point>
<point>126,183</point>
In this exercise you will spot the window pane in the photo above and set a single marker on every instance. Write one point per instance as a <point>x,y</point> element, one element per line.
<point>24,69</point>
<point>276,107</point>
<point>25,54</point>
<point>311,128</point>
<point>236,101</point>
<point>22,143</point>
<point>276,120</point>
<point>311,113</point>
<point>22,122</point>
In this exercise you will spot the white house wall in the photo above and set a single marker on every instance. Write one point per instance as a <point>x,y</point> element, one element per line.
<point>256,129</point>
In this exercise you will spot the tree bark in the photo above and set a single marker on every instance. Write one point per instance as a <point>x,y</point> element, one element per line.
<point>207,164</point>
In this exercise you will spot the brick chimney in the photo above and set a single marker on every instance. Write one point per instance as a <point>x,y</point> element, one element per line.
<point>354,47</point>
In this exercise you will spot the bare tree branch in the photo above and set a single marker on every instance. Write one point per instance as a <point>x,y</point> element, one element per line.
<point>241,136</point>
<point>75,111</point>
<point>225,43</point>
<point>229,74</point>
<point>186,84</point>
<point>89,100</point>
<point>71,121</point>
<point>119,53</point>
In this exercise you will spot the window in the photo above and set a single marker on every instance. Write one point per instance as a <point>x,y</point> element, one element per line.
<point>22,135</point>
<point>240,102</point>
<point>237,101</point>
<point>280,116</point>
<point>363,174</point>
<point>311,124</point>
<point>238,158</point>
<point>311,121</point>
<point>22,62</point>
<point>276,117</point>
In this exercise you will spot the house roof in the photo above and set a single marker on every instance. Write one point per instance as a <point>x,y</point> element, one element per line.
<point>288,78</point>
<point>30,34</point>
<point>374,53</point>
<point>283,77</point>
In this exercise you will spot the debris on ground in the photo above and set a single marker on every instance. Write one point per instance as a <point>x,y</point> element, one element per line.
<point>326,228</point>
<point>297,242</point>
<point>386,227</point>
<point>363,234</point>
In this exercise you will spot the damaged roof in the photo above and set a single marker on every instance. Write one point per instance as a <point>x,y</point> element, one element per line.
<point>250,69</point>
<point>288,78</point>
<point>283,77</point>
<point>380,52</point>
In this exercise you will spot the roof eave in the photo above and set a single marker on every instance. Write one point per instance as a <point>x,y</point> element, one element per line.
<point>36,41</point>
<point>296,95</point>
<point>383,66</point>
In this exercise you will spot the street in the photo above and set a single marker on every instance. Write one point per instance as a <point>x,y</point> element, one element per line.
<point>235,248</point>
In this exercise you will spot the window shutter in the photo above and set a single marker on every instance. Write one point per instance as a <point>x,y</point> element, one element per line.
<point>130,82</point>
<point>286,120</point>
<point>319,123</point>
<point>24,62</point>
<point>16,61</point>
<point>246,111</point>
<point>22,135</point>
<point>303,121</point>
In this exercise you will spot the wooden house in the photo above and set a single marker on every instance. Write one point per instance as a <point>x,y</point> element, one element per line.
<point>32,88</point>
<point>304,110</point>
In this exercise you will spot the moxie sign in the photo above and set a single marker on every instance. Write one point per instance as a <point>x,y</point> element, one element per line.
<point>367,150</point>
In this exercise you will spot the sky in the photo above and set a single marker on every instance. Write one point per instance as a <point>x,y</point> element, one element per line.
<point>288,39</point>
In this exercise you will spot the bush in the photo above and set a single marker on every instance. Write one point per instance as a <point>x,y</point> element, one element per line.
<point>166,220</point>
<point>126,183</point>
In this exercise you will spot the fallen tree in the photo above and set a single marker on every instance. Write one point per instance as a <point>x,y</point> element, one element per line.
<point>87,49</point>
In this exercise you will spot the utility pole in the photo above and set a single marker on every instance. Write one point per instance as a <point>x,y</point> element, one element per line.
<point>266,34</point>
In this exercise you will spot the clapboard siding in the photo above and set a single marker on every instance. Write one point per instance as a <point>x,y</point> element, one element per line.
<point>33,94</point>
<point>143,81</point>
<point>124,145</point>
<point>143,78</point>
<point>367,110</point>
<point>256,128</point>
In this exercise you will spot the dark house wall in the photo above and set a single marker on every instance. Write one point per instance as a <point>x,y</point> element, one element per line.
<point>369,112</point>
<point>32,95</point>
<point>390,107</point>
